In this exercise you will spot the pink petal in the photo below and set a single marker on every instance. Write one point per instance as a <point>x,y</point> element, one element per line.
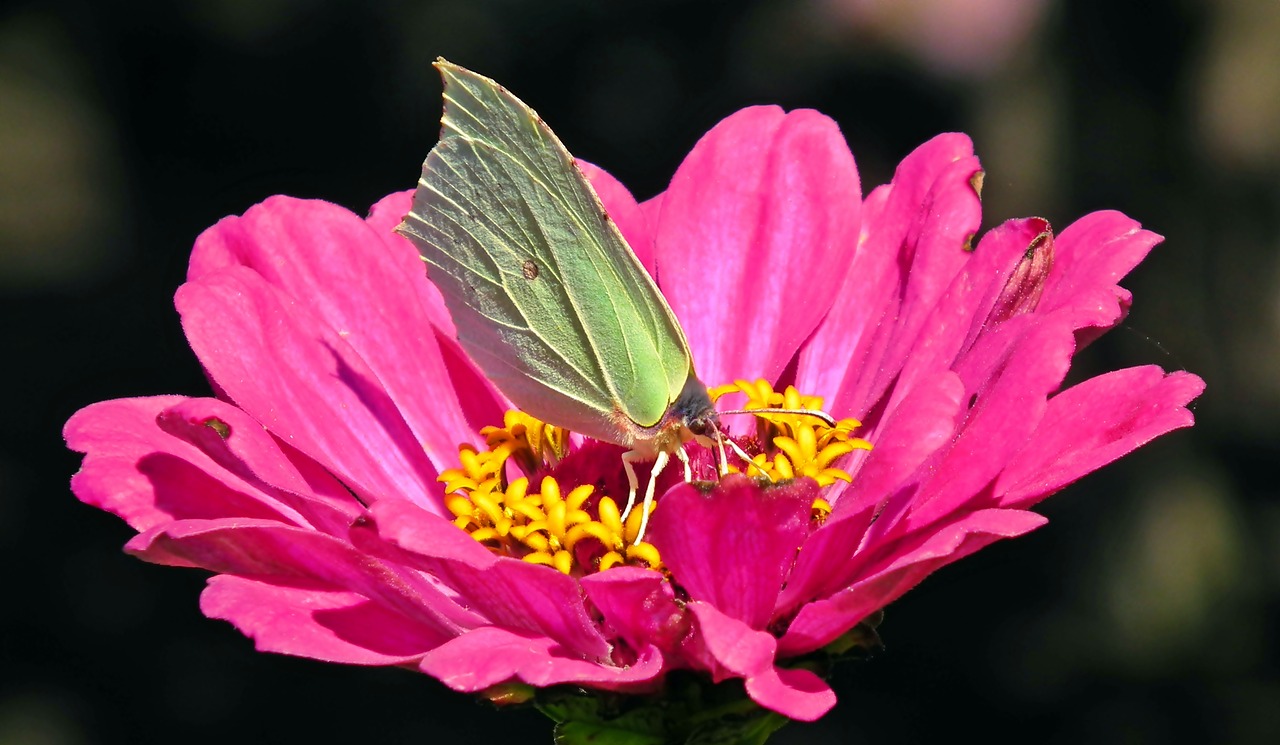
<point>1009,376</point>
<point>384,217</point>
<point>922,424</point>
<point>299,557</point>
<point>820,622</point>
<point>626,213</point>
<point>903,439</point>
<point>241,446</point>
<point>514,594</point>
<point>796,693</point>
<point>1091,256</point>
<point>317,622</point>
<point>749,654</point>
<point>367,287</point>
<point>734,546</point>
<point>754,237</point>
<point>149,478</point>
<point>638,605</point>
<point>301,381</point>
<point>1093,423</point>
<point>489,656</point>
<point>914,235</point>
<point>481,403</point>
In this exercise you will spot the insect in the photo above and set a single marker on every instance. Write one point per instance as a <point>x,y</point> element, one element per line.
<point>548,298</point>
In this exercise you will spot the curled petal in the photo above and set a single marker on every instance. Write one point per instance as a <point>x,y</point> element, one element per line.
<point>148,477</point>
<point>638,605</point>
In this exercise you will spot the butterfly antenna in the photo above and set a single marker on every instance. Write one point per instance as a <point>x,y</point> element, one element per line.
<point>738,451</point>
<point>826,418</point>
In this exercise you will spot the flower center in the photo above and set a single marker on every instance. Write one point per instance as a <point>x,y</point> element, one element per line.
<point>530,516</point>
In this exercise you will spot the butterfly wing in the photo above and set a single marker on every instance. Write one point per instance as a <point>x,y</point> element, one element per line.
<point>548,298</point>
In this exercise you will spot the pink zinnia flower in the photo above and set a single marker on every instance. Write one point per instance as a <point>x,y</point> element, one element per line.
<point>310,486</point>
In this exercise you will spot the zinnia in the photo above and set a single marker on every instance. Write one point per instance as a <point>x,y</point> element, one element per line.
<point>311,486</point>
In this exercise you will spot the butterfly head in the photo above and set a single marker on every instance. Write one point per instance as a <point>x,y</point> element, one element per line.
<point>693,409</point>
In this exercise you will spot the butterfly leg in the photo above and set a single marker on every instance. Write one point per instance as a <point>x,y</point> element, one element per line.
<point>683,457</point>
<point>724,462</point>
<point>629,459</point>
<point>659,463</point>
<point>628,464</point>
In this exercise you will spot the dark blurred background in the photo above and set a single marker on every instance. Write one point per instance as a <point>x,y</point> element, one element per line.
<point>1146,611</point>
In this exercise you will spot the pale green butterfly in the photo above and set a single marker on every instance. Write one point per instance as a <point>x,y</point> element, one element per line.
<point>548,299</point>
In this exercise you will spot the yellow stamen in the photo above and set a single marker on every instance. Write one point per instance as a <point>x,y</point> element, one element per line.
<point>570,534</point>
<point>531,442</point>
<point>806,445</point>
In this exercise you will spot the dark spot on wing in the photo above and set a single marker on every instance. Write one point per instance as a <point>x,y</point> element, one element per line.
<point>529,269</point>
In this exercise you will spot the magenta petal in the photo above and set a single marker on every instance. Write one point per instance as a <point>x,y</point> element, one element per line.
<point>638,605</point>
<point>301,381</point>
<point>291,556</point>
<point>384,217</point>
<point>481,403</point>
<point>150,478</point>
<point>317,622</point>
<point>795,693</point>
<point>740,651</point>
<point>964,311</point>
<point>1010,374</point>
<point>1091,256</point>
<point>364,286</point>
<point>914,235</point>
<point>625,212</point>
<point>489,656</point>
<point>114,435</point>
<point>1093,423</point>
<point>241,446</point>
<point>820,622</point>
<point>508,592</point>
<point>754,237</point>
<point>734,546</point>
<point>919,426</point>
